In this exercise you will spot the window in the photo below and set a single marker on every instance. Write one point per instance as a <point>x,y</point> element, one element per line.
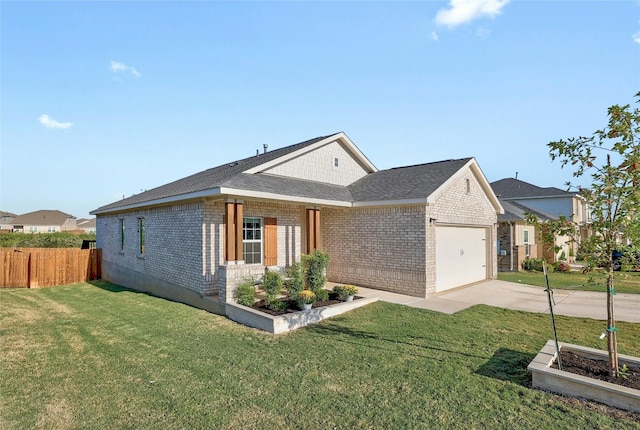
<point>335,161</point>
<point>468,186</point>
<point>51,229</point>
<point>121,235</point>
<point>33,229</point>
<point>252,240</point>
<point>141,234</point>
<point>525,240</point>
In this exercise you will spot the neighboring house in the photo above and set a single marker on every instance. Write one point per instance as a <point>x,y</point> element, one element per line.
<point>44,221</point>
<point>415,230</point>
<point>6,221</point>
<point>550,202</point>
<point>517,240</point>
<point>86,225</point>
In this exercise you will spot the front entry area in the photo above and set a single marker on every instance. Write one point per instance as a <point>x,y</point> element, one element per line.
<point>461,256</point>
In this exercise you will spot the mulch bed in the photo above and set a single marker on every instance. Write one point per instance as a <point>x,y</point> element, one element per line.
<point>292,306</point>
<point>597,369</point>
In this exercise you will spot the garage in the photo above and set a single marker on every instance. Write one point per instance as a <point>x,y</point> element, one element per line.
<point>461,256</point>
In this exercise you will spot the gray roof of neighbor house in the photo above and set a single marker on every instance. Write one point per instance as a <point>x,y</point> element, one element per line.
<point>402,183</point>
<point>4,214</point>
<point>42,217</point>
<point>514,211</point>
<point>510,188</point>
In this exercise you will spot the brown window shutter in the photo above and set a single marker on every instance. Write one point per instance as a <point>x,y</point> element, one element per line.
<point>270,242</point>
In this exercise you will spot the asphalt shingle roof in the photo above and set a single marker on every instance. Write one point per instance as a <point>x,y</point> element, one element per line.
<point>514,211</point>
<point>510,188</point>
<point>410,182</point>
<point>42,217</point>
<point>208,179</point>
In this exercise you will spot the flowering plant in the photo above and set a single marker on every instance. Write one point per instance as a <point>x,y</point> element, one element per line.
<point>344,291</point>
<point>306,297</point>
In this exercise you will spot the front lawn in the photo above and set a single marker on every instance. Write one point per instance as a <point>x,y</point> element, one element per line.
<point>100,356</point>
<point>625,282</point>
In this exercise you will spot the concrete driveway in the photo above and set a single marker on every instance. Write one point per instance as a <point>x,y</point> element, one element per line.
<point>520,297</point>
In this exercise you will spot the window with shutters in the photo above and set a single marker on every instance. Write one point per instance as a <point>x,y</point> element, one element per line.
<point>252,240</point>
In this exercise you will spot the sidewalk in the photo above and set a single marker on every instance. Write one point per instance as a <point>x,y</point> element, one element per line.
<point>510,295</point>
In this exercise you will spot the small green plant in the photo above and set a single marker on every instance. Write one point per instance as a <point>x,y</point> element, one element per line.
<point>272,283</point>
<point>322,294</point>
<point>623,371</point>
<point>344,291</point>
<point>246,292</point>
<point>563,256</point>
<point>295,283</point>
<point>533,264</point>
<point>275,304</point>
<point>306,297</point>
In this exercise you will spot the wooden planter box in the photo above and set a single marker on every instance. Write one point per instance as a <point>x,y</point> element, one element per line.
<point>557,381</point>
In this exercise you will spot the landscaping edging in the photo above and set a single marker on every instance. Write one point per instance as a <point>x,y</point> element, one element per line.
<point>547,378</point>
<point>288,322</point>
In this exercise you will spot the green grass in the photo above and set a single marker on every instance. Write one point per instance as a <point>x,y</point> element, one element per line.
<point>100,356</point>
<point>625,282</point>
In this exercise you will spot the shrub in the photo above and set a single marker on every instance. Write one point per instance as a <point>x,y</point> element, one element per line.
<point>295,284</point>
<point>344,291</point>
<point>533,264</point>
<point>272,283</point>
<point>322,294</point>
<point>246,292</point>
<point>275,304</point>
<point>315,268</point>
<point>560,266</point>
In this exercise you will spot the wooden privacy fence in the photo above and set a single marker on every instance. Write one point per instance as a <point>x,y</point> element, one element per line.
<point>47,267</point>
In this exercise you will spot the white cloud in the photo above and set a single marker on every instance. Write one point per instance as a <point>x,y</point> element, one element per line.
<point>464,11</point>
<point>117,67</point>
<point>636,37</point>
<point>434,36</point>
<point>49,122</point>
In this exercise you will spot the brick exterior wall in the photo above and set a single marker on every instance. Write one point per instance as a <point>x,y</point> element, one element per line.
<point>318,165</point>
<point>184,243</point>
<point>173,243</point>
<point>381,248</point>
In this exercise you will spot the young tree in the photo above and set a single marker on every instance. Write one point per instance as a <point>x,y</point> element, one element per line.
<point>611,157</point>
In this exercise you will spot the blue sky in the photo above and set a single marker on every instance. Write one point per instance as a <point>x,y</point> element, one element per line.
<point>105,99</point>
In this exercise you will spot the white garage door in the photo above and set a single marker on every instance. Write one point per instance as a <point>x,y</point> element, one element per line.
<point>461,256</point>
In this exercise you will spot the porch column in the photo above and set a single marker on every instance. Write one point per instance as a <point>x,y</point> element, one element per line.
<point>239,227</point>
<point>314,235</point>
<point>230,231</point>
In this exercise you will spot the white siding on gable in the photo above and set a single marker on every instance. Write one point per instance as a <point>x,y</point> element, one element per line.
<point>320,165</point>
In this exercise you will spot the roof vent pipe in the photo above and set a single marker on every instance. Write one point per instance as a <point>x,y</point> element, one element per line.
<point>265,146</point>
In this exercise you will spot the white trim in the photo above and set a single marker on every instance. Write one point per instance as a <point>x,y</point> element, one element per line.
<point>338,137</point>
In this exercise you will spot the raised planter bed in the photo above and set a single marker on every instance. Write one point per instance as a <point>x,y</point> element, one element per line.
<point>290,321</point>
<point>557,381</point>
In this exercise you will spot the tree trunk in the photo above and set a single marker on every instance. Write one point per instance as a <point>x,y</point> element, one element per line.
<point>612,342</point>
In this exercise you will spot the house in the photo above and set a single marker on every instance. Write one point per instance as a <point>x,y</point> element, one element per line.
<point>517,240</point>
<point>44,221</point>
<point>6,221</point>
<point>416,230</point>
<point>547,203</point>
<point>86,225</point>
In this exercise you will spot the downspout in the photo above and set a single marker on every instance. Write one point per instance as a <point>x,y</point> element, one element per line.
<point>510,246</point>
